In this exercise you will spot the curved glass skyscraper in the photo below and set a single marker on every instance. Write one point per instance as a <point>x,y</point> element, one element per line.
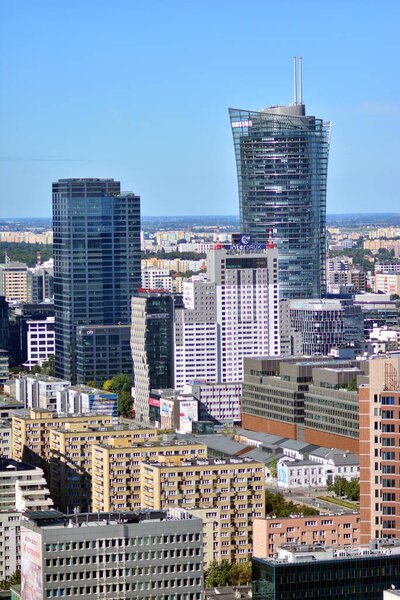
<point>282,162</point>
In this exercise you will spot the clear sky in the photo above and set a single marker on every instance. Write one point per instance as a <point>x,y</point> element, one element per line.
<point>139,90</point>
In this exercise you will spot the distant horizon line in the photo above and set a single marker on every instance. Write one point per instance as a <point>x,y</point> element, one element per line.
<point>214,215</point>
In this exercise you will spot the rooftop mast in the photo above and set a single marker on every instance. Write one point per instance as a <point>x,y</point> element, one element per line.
<point>301,78</point>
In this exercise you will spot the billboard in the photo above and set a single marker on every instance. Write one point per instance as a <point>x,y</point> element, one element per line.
<point>167,413</point>
<point>31,565</point>
<point>188,412</point>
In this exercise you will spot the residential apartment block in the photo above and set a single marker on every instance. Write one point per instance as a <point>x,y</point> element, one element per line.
<point>115,469</point>
<point>22,487</point>
<point>31,432</point>
<point>70,451</point>
<point>234,486</point>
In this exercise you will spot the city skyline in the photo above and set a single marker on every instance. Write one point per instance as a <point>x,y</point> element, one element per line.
<point>150,108</point>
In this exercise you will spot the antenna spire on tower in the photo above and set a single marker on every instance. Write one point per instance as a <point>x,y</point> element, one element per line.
<point>295,79</point>
<point>301,78</point>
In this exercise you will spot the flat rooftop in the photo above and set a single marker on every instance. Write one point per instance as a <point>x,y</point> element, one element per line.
<point>57,519</point>
<point>10,465</point>
<point>105,428</point>
<point>202,462</point>
<point>297,553</point>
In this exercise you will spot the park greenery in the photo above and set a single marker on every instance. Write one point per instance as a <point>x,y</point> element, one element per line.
<point>277,506</point>
<point>223,573</point>
<point>25,253</point>
<point>349,489</point>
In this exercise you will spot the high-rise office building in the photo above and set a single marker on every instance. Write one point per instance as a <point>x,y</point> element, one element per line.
<point>195,338</point>
<point>152,343</point>
<point>96,260</point>
<point>247,306</point>
<point>282,160</point>
<point>103,351</point>
<point>324,324</point>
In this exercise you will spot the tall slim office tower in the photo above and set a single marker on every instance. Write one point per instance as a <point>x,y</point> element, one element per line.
<point>96,260</point>
<point>152,344</point>
<point>282,162</point>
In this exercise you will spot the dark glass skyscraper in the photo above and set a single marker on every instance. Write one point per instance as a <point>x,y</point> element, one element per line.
<point>152,343</point>
<point>96,260</point>
<point>282,161</point>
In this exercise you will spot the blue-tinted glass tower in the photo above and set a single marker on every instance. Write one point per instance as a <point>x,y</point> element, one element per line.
<point>96,260</point>
<point>282,163</point>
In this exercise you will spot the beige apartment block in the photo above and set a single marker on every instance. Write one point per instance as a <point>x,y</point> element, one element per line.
<point>31,432</point>
<point>234,486</point>
<point>115,469</point>
<point>330,530</point>
<point>70,475</point>
<point>14,284</point>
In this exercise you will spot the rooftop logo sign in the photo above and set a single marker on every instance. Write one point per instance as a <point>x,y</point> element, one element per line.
<point>241,124</point>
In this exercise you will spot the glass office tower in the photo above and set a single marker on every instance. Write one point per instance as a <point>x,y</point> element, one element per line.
<point>282,161</point>
<point>96,260</point>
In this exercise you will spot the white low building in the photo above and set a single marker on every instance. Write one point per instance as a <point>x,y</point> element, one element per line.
<point>40,341</point>
<point>22,487</point>
<point>320,469</point>
<point>5,439</point>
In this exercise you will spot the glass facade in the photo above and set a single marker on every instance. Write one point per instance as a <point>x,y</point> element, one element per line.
<point>361,578</point>
<point>152,343</point>
<point>96,260</point>
<point>282,160</point>
<point>102,352</point>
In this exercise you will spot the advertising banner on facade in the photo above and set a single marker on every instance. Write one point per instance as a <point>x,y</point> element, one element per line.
<point>31,565</point>
<point>188,412</point>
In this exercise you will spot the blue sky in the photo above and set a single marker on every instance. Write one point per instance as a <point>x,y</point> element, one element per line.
<point>139,90</point>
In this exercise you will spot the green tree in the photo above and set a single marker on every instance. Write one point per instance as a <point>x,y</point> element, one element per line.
<point>48,367</point>
<point>273,467</point>
<point>218,574</point>
<point>25,253</point>
<point>352,387</point>
<point>121,385</point>
<point>241,574</point>
<point>353,489</point>
<point>276,505</point>
<point>223,573</point>
<point>14,579</point>
<point>125,404</point>
<point>94,384</point>
<point>118,383</point>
